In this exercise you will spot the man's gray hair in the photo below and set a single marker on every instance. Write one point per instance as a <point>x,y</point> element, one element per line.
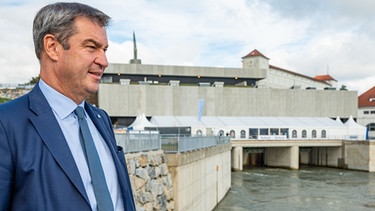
<point>58,19</point>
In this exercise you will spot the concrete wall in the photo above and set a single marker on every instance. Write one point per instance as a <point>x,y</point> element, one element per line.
<point>196,180</point>
<point>173,70</point>
<point>360,155</point>
<point>326,156</point>
<point>200,178</point>
<point>354,155</point>
<point>131,100</point>
<point>304,157</point>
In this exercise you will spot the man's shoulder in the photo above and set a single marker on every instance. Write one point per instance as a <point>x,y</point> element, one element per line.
<point>21,105</point>
<point>14,107</point>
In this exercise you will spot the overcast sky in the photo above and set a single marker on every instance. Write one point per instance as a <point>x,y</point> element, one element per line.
<point>311,37</point>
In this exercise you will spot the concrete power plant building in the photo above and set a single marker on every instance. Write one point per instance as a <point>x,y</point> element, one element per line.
<point>256,89</point>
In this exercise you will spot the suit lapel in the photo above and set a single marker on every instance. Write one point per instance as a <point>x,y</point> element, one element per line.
<point>100,125</point>
<point>49,130</point>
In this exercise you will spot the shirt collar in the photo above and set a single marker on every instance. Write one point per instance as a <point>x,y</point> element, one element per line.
<point>62,105</point>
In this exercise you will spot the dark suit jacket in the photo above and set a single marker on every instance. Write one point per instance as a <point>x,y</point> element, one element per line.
<point>37,170</point>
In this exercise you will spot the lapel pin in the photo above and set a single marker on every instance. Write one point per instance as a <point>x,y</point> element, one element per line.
<point>98,115</point>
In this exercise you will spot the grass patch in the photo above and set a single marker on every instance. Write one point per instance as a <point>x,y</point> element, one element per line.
<point>3,100</point>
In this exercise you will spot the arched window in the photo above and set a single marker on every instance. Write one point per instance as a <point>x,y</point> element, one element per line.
<point>199,133</point>
<point>243,134</point>
<point>324,134</point>
<point>313,134</point>
<point>304,134</point>
<point>221,133</point>
<point>294,134</point>
<point>232,134</point>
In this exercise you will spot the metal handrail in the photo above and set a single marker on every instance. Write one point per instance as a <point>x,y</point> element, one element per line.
<point>175,144</point>
<point>140,141</point>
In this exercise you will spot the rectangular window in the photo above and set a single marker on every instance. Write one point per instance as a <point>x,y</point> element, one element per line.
<point>365,112</point>
<point>253,133</point>
<point>284,131</point>
<point>372,112</point>
<point>106,79</point>
<point>371,127</point>
<point>274,131</point>
<point>263,131</point>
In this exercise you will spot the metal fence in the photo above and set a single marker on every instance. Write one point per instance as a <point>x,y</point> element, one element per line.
<point>173,143</point>
<point>139,141</point>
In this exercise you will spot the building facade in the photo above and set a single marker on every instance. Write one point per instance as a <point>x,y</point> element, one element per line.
<point>366,111</point>
<point>256,89</point>
<point>280,78</point>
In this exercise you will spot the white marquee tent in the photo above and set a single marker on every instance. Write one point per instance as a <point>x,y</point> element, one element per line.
<point>266,127</point>
<point>354,129</point>
<point>140,123</point>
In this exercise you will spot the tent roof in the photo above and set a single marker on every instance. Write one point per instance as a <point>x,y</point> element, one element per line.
<point>339,120</point>
<point>351,123</point>
<point>226,121</point>
<point>141,122</point>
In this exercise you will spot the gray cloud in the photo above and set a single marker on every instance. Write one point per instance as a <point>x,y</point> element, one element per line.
<point>307,36</point>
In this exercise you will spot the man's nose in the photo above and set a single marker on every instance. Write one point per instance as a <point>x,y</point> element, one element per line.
<point>101,59</point>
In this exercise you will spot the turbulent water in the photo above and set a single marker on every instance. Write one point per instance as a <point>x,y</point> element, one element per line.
<point>310,188</point>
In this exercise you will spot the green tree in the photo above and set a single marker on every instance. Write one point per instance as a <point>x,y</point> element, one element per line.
<point>343,87</point>
<point>34,80</point>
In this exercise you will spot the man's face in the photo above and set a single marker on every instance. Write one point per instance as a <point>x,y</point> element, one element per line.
<point>81,66</point>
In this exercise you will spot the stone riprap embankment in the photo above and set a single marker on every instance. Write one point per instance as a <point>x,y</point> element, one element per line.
<point>151,180</point>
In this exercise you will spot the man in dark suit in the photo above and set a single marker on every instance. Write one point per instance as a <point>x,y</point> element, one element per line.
<point>43,164</point>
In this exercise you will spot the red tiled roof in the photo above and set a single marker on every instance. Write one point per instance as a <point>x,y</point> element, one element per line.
<point>324,78</point>
<point>253,53</point>
<point>367,99</point>
<point>297,74</point>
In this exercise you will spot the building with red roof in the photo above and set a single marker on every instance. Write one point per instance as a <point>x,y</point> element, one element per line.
<point>281,78</point>
<point>366,111</point>
<point>328,79</point>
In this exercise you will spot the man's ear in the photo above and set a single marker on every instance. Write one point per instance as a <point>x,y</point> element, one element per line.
<point>51,47</point>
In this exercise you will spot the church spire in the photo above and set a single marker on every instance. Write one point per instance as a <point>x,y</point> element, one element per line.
<point>135,60</point>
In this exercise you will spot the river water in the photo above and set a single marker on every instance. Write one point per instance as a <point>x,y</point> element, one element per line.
<point>310,188</point>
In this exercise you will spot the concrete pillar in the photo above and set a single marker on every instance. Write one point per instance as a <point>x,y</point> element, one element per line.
<point>371,156</point>
<point>237,159</point>
<point>287,157</point>
<point>294,157</point>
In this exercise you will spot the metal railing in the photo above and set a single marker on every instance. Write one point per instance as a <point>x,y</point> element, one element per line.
<point>174,143</point>
<point>139,141</point>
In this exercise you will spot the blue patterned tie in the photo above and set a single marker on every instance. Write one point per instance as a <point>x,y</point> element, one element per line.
<point>99,184</point>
